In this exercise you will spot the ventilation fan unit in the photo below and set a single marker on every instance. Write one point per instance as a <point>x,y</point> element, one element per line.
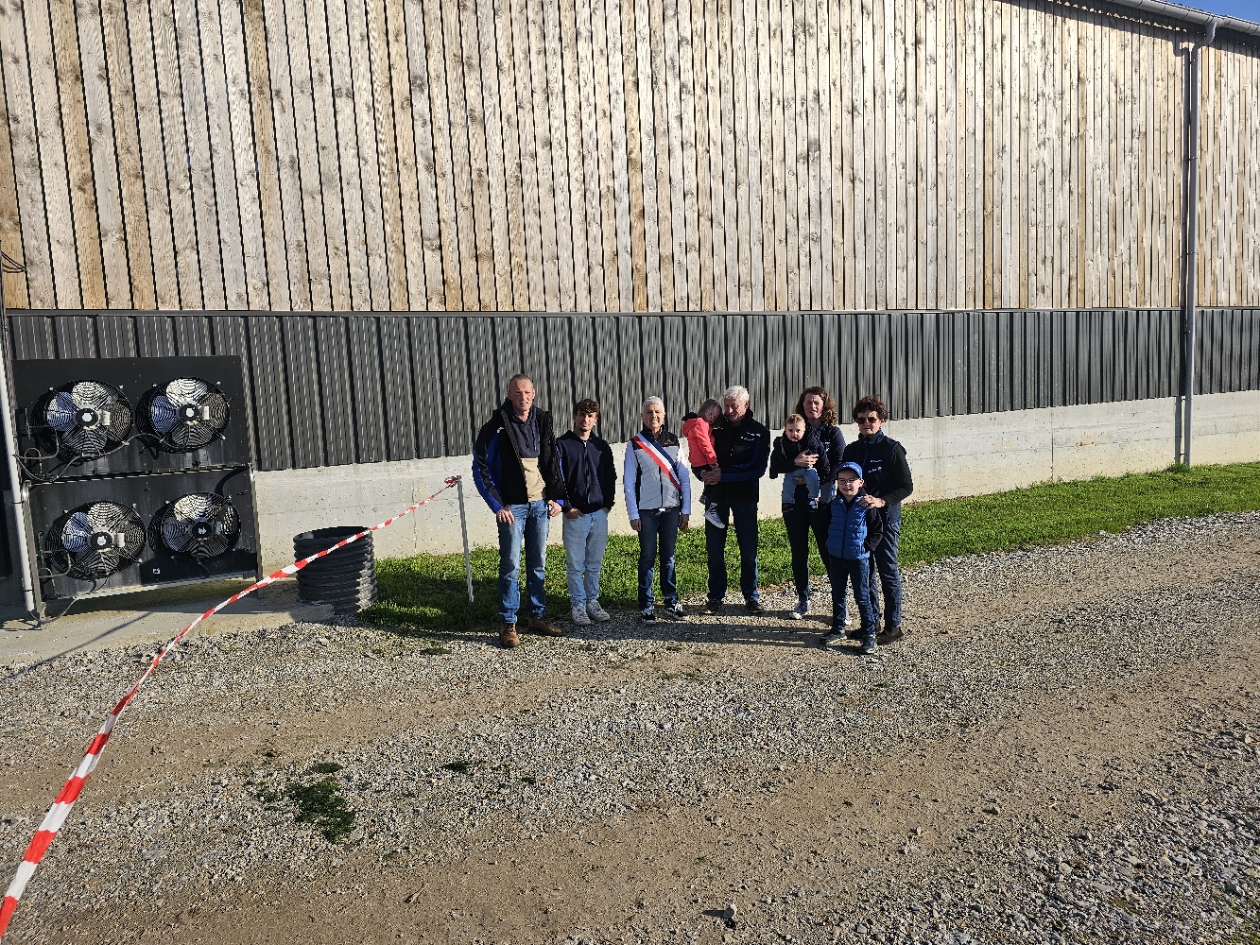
<point>201,525</point>
<point>95,541</point>
<point>183,415</point>
<point>83,419</point>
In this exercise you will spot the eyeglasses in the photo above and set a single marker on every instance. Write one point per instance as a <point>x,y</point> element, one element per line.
<point>847,479</point>
<point>871,419</point>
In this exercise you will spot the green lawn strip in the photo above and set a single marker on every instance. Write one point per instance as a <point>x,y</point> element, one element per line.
<point>426,593</point>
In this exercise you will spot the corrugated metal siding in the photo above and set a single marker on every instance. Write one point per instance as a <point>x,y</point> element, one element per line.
<point>335,388</point>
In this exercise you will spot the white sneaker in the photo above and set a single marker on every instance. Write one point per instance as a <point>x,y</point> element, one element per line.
<point>711,516</point>
<point>579,616</point>
<point>597,613</point>
<point>800,610</point>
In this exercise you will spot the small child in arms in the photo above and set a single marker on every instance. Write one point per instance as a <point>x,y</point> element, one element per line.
<point>791,444</point>
<point>698,429</point>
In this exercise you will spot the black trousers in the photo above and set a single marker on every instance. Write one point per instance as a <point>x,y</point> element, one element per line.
<point>800,521</point>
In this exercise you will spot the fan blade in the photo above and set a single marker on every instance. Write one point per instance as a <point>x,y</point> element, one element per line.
<point>98,563</point>
<point>186,391</point>
<point>60,413</point>
<point>75,532</point>
<point>162,414</point>
<point>92,395</point>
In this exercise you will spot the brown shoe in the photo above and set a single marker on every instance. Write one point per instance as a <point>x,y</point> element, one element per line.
<point>891,635</point>
<point>540,625</point>
<point>507,637</point>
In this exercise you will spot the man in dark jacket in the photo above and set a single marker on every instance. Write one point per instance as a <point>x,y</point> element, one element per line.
<point>590,484</point>
<point>517,472</point>
<point>743,450</point>
<point>887,482</point>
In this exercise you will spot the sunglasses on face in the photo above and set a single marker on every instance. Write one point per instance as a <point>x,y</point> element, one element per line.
<point>868,419</point>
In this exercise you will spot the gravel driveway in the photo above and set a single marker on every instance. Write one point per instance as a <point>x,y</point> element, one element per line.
<point>1064,748</point>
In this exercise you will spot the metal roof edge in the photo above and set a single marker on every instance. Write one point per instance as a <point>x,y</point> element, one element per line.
<point>1198,19</point>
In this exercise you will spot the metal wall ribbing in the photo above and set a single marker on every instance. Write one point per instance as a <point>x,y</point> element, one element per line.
<point>329,389</point>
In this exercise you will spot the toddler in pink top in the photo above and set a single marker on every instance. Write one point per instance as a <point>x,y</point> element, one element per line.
<point>698,429</point>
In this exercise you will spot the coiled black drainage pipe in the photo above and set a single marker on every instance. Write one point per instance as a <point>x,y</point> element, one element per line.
<point>346,578</point>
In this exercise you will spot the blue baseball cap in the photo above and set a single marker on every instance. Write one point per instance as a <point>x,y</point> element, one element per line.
<point>852,467</point>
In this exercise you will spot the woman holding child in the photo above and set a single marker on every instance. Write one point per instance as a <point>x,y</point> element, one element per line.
<point>808,457</point>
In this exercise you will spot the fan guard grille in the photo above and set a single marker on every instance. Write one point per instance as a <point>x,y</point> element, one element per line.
<point>85,419</point>
<point>184,414</point>
<point>201,525</point>
<point>96,540</point>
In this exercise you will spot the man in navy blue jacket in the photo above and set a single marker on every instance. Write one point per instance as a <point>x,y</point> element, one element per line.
<point>590,485</point>
<point>517,472</point>
<point>743,450</point>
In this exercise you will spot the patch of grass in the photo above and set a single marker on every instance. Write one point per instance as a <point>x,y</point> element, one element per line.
<point>323,806</point>
<point>319,803</point>
<point>427,594</point>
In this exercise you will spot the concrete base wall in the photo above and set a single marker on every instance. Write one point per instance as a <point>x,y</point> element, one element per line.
<point>949,456</point>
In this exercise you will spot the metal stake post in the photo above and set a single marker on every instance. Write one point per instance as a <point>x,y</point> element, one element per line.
<point>463,527</point>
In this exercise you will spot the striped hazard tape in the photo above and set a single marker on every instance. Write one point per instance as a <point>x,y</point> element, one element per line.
<point>62,806</point>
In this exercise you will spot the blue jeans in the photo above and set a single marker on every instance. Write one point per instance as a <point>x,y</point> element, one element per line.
<point>584,541</point>
<point>884,563</point>
<point>531,526</point>
<point>744,515</point>
<point>802,477</point>
<point>857,570</point>
<point>656,525</point>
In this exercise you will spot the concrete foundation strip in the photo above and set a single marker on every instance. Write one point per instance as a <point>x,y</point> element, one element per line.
<point>62,806</point>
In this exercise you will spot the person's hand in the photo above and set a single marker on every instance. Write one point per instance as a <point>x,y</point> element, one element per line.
<point>607,509</point>
<point>553,509</point>
<point>684,522</point>
<point>806,460</point>
<point>571,512</point>
<point>872,502</point>
<point>636,524</point>
<point>712,477</point>
<point>505,516</point>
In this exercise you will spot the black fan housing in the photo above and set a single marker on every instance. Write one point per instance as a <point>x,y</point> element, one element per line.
<point>200,525</point>
<point>83,419</point>
<point>95,540</point>
<point>183,415</point>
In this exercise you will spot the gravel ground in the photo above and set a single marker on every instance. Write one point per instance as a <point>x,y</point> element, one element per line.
<point>1065,748</point>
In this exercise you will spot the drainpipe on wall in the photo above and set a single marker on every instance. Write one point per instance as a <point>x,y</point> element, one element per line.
<point>1192,233</point>
<point>20,513</point>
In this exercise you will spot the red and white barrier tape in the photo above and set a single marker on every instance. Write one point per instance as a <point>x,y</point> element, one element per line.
<point>62,806</point>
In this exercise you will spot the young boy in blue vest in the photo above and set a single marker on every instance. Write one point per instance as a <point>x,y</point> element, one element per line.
<point>855,531</point>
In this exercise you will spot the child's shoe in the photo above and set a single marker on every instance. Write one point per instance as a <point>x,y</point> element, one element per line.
<point>813,504</point>
<point>711,516</point>
<point>868,644</point>
<point>800,610</point>
<point>648,615</point>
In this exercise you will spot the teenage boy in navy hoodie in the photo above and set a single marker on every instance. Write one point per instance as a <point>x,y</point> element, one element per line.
<point>590,485</point>
<point>854,533</point>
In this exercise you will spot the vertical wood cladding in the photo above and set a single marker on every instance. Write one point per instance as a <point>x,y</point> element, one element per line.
<point>616,155</point>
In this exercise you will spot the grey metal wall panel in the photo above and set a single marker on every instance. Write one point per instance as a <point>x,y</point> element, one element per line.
<point>483,383</point>
<point>608,380</point>
<point>116,335</point>
<point>336,394</point>
<point>305,396</point>
<point>396,372</point>
<point>328,389</point>
<point>154,336</point>
<point>365,373</point>
<point>451,385</point>
<point>192,335</point>
<point>271,392</point>
<point>677,364</point>
<point>546,349</point>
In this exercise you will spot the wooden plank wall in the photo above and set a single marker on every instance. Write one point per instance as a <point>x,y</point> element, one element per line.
<point>614,155</point>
